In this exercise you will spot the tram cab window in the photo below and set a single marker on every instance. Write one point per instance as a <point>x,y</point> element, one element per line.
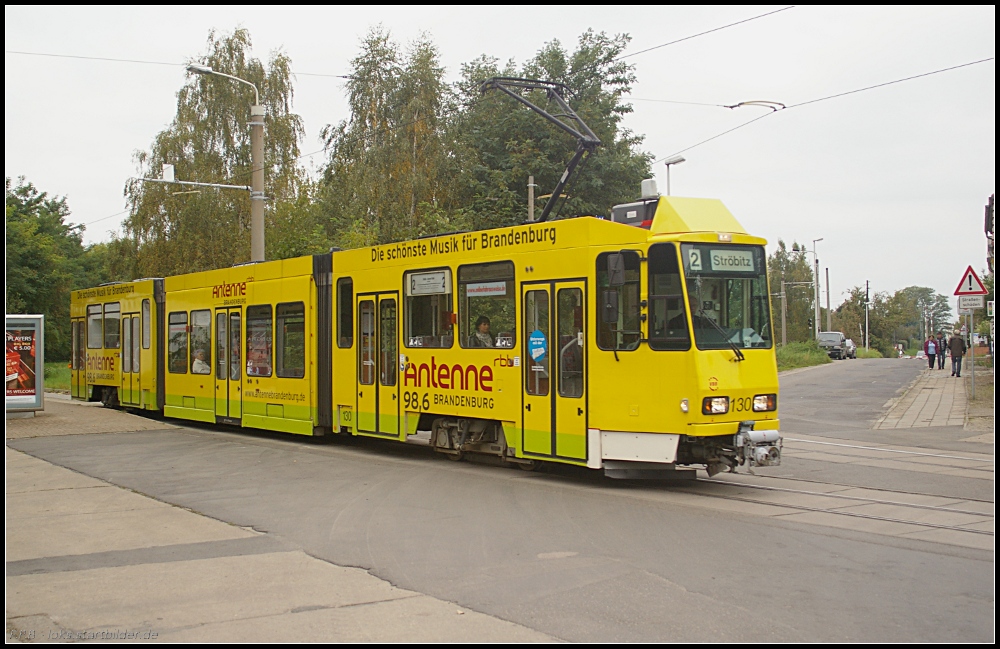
<point>259,340</point>
<point>625,334</point>
<point>112,325</point>
<point>95,327</point>
<point>177,342</point>
<point>428,308</point>
<point>727,294</point>
<point>668,327</point>
<point>487,291</point>
<point>201,342</point>
<point>290,361</point>
<point>345,312</point>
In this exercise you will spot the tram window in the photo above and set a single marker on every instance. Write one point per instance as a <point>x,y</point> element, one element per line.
<point>625,334</point>
<point>345,312</point>
<point>387,342</point>
<point>487,291</point>
<point>146,325</point>
<point>537,354</point>
<point>291,344</point>
<point>177,345</point>
<point>428,308</point>
<point>366,342</point>
<point>75,353</point>
<point>95,327</point>
<point>668,328</point>
<point>201,342</point>
<point>259,340</point>
<point>81,359</point>
<point>135,344</point>
<point>569,323</point>
<point>112,325</point>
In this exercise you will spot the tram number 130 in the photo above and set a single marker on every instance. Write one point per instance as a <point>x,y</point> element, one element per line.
<point>743,405</point>
<point>413,401</point>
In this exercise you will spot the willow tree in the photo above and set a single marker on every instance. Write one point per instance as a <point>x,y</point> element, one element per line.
<point>176,229</point>
<point>386,166</point>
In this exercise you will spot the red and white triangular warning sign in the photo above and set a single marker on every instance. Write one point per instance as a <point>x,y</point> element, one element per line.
<point>970,284</point>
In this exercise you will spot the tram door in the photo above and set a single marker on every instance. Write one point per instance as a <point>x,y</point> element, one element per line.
<point>228,365</point>
<point>378,365</point>
<point>554,351</point>
<point>78,365</point>
<point>130,392</point>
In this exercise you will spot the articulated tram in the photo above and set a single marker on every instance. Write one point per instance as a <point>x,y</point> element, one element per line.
<point>634,344</point>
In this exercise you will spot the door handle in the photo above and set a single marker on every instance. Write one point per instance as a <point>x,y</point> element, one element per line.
<point>361,394</point>
<point>528,407</point>
<point>393,397</point>
<point>579,411</point>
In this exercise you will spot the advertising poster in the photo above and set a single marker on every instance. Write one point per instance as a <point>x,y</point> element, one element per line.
<point>24,350</point>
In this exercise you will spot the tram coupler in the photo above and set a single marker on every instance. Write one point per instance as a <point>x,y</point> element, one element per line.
<point>758,447</point>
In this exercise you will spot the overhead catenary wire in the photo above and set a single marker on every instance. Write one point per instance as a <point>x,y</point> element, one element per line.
<point>827,97</point>
<point>143,62</point>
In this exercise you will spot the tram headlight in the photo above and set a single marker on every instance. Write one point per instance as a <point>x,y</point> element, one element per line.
<point>765,403</point>
<point>684,405</point>
<point>715,406</point>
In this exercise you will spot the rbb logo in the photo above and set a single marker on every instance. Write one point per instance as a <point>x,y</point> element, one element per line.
<point>503,361</point>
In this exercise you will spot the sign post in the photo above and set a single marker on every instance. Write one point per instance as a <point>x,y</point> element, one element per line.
<point>970,294</point>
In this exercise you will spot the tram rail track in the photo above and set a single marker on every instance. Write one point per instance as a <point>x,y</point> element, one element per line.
<point>897,514</point>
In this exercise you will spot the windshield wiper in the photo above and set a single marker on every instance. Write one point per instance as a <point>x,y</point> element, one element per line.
<point>725,336</point>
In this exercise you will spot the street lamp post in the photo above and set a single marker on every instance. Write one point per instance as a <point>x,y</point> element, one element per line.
<point>256,163</point>
<point>816,325</point>
<point>676,160</point>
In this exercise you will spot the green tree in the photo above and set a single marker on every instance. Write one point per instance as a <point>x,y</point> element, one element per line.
<point>386,173</point>
<point>46,260</point>
<point>793,267</point>
<point>419,157</point>
<point>499,143</point>
<point>173,230</point>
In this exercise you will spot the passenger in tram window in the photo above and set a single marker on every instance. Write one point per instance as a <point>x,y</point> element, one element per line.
<point>482,337</point>
<point>198,365</point>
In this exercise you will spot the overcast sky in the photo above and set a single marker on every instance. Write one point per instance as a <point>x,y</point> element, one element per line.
<point>894,179</point>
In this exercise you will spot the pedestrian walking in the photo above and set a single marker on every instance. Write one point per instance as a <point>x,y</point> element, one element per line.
<point>930,348</point>
<point>942,346</point>
<point>957,347</point>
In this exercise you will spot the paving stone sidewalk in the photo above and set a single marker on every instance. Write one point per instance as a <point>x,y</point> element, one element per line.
<point>935,399</point>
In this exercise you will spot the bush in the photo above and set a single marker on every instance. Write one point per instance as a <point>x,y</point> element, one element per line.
<point>805,354</point>
<point>869,353</point>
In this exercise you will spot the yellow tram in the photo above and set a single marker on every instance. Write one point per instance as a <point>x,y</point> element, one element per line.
<point>633,344</point>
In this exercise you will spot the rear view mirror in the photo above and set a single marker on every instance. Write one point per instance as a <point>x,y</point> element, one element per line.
<point>610,307</point>
<point>616,269</point>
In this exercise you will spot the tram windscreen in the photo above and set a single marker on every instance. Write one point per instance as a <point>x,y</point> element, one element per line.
<point>727,295</point>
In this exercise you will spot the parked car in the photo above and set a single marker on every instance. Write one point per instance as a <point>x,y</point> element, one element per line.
<point>834,343</point>
<point>852,349</point>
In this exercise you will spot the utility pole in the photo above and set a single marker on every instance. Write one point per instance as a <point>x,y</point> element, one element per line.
<point>257,183</point>
<point>829,316</point>
<point>784,300</point>
<point>866,315</point>
<point>816,322</point>
<point>531,199</point>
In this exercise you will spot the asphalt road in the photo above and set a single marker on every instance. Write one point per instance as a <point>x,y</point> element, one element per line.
<point>574,555</point>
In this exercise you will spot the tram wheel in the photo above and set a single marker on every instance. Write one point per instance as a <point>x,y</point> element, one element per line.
<point>530,465</point>
<point>454,457</point>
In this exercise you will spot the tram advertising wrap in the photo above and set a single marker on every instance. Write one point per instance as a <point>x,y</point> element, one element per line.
<point>631,349</point>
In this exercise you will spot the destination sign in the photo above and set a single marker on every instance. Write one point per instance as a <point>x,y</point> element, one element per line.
<point>703,259</point>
